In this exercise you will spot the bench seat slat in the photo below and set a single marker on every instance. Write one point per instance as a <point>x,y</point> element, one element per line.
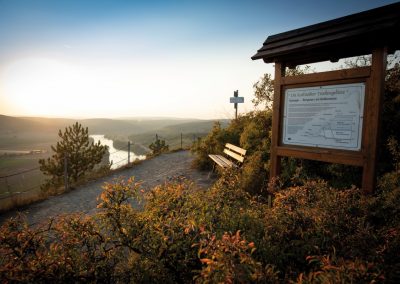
<point>217,160</point>
<point>228,162</point>
<point>232,151</point>
<point>222,161</point>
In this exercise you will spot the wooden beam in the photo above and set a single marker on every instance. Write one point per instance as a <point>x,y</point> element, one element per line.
<point>354,73</point>
<point>323,155</point>
<point>374,102</point>
<point>276,117</point>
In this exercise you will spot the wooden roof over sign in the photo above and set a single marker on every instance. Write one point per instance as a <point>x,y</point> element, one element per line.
<point>347,36</point>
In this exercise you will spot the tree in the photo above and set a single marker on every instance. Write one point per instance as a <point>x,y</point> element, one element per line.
<point>264,88</point>
<point>158,146</point>
<point>81,155</point>
<point>390,109</point>
<point>264,91</point>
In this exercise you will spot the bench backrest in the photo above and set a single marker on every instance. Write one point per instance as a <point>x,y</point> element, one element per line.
<point>235,152</point>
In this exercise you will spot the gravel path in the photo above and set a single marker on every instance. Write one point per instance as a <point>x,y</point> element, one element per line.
<point>83,199</point>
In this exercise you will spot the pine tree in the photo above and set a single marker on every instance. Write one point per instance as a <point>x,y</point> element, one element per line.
<point>82,156</point>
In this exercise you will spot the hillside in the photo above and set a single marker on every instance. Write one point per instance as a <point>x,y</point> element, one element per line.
<point>31,132</point>
<point>10,125</point>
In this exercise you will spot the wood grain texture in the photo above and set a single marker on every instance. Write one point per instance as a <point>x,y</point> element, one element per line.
<point>372,118</point>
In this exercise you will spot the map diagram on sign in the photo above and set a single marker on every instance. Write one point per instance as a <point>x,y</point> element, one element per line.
<point>326,116</point>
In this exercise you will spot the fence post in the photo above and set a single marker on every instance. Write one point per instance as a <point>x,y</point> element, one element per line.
<point>65,171</point>
<point>8,187</point>
<point>129,152</point>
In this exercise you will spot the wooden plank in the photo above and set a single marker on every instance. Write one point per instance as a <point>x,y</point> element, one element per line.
<point>236,149</point>
<point>374,99</point>
<point>222,161</point>
<point>234,155</point>
<point>354,73</point>
<point>330,156</point>
<point>218,161</point>
<point>229,163</point>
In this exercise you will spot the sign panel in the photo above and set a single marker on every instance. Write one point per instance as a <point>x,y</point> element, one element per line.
<point>325,116</point>
<point>236,100</point>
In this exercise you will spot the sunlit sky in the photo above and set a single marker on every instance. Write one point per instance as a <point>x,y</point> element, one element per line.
<point>110,58</point>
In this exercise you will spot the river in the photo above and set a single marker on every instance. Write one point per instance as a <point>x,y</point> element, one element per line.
<point>118,158</point>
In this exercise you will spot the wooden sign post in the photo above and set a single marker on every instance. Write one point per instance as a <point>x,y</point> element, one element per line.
<point>331,116</point>
<point>236,100</point>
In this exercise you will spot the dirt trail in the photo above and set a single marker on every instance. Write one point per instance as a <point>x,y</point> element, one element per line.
<point>83,199</point>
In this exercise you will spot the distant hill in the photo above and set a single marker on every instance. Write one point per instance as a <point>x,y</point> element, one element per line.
<point>17,132</point>
<point>10,124</point>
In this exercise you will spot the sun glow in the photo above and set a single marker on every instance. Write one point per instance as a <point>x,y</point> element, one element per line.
<point>50,87</point>
<point>189,87</point>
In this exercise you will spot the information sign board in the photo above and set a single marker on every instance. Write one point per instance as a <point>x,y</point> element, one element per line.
<point>236,100</point>
<point>324,116</point>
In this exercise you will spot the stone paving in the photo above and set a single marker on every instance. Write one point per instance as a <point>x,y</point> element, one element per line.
<point>150,172</point>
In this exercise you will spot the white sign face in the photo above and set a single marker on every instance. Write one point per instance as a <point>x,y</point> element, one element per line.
<point>325,117</point>
<point>236,100</point>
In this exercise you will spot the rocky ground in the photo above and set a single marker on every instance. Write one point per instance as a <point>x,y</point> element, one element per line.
<point>150,172</point>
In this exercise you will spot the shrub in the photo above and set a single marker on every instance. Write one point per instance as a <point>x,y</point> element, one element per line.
<point>313,218</point>
<point>251,132</point>
<point>158,146</point>
<point>312,233</point>
<point>213,143</point>
<point>330,269</point>
<point>229,260</point>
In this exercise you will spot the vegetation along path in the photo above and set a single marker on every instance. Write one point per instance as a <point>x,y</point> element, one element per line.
<point>150,172</point>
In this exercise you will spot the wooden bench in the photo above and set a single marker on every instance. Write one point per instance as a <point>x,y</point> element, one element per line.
<point>232,151</point>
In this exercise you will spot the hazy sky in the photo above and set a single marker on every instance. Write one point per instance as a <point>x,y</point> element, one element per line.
<point>110,58</point>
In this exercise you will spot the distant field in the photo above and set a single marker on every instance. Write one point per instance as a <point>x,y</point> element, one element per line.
<point>27,141</point>
<point>22,182</point>
<point>19,175</point>
<point>11,164</point>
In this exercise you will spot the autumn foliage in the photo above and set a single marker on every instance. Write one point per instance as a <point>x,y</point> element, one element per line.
<point>178,233</point>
